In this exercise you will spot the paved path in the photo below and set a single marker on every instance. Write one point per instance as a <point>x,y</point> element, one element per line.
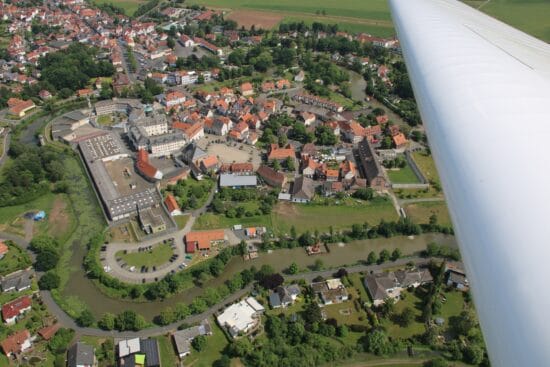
<point>108,257</point>
<point>66,321</point>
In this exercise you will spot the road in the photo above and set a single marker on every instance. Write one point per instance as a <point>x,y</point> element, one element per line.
<point>6,147</point>
<point>66,321</point>
<point>108,257</point>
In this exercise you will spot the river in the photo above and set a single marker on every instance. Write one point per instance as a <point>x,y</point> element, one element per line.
<point>339,255</point>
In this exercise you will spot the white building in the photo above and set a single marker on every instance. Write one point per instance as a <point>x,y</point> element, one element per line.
<point>242,317</point>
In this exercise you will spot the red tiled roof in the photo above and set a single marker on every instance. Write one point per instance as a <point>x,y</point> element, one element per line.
<point>280,153</point>
<point>209,161</point>
<point>382,119</point>
<point>12,344</point>
<point>48,331</point>
<point>242,167</point>
<point>399,139</point>
<point>143,164</point>
<point>203,239</point>
<point>246,87</point>
<point>13,308</point>
<point>171,203</point>
<point>22,106</point>
<point>3,248</point>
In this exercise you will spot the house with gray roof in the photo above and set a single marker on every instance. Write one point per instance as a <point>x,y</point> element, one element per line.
<point>381,286</point>
<point>81,355</point>
<point>303,190</point>
<point>17,281</point>
<point>284,296</point>
<point>237,181</point>
<point>183,338</point>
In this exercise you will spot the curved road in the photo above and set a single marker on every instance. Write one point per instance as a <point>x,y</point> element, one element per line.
<point>108,257</point>
<point>66,321</point>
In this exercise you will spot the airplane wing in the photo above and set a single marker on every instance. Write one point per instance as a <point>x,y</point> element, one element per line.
<point>483,91</point>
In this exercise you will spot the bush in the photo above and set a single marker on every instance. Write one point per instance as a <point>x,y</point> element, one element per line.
<point>49,281</point>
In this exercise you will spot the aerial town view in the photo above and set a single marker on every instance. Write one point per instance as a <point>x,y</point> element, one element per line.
<point>223,183</point>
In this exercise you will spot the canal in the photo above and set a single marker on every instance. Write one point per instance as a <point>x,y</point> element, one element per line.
<point>340,255</point>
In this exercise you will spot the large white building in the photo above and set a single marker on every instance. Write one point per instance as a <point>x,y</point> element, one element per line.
<point>241,317</point>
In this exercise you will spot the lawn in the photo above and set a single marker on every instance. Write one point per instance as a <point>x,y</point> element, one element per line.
<point>314,216</point>
<point>416,327</point>
<point>530,16</point>
<point>106,120</point>
<point>421,212</point>
<point>167,353</point>
<point>129,6</point>
<point>14,260</point>
<point>60,222</point>
<point>213,221</point>
<point>10,216</point>
<point>358,9</point>
<point>181,220</point>
<point>402,175</point>
<point>427,166</point>
<point>160,254</point>
<point>215,343</point>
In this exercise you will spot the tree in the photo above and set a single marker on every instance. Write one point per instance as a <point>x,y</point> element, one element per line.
<point>372,258</point>
<point>293,268</point>
<point>364,194</point>
<point>224,361</point>
<point>384,256</point>
<point>473,354</point>
<point>276,165</point>
<point>46,260</point>
<point>85,319</point>
<point>312,313</point>
<point>438,362</point>
<point>406,317</point>
<point>377,342</point>
<point>107,321</point>
<point>289,164</point>
<point>271,281</point>
<point>325,136</point>
<point>318,265</point>
<point>60,341</point>
<point>396,254</point>
<point>49,281</point>
<point>199,342</point>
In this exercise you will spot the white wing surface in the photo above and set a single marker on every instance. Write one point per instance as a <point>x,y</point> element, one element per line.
<point>483,90</point>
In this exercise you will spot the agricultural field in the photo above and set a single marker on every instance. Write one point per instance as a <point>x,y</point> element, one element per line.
<point>129,6</point>
<point>371,16</point>
<point>530,16</point>
<point>420,212</point>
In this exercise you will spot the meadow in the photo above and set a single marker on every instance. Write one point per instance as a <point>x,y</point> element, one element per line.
<point>129,6</point>
<point>530,16</point>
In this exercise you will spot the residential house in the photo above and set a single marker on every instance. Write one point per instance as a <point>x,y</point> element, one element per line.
<point>241,318</point>
<point>399,141</point>
<point>138,352</point>
<point>303,190</point>
<point>4,249</point>
<point>284,296</point>
<point>16,343</point>
<point>183,338</point>
<point>20,109</point>
<point>13,310</point>
<point>307,117</point>
<point>172,205</point>
<point>456,276</point>
<point>381,286</point>
<point>81,355</point>
<point>246,89</point>
<point>203,240</point>
<point>330,291</point>
<point>271,177</point>
<point>18,281</point>
<point>280,154</point>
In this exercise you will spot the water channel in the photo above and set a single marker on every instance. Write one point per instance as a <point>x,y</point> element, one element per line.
<point>81,287</point>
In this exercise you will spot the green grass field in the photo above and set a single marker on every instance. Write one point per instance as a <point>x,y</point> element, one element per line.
<point>181,220</point>
<point>129,6</point>
<point>402,175</point>
<point>14,260</point>
<point>305,217</point>
<point>166,349</point>
<point>366,9</point>
<point>427,165</point>
<point>215,343</point>
<point>421,212</point>
<point>531,16</point>
<point>157,256</point>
